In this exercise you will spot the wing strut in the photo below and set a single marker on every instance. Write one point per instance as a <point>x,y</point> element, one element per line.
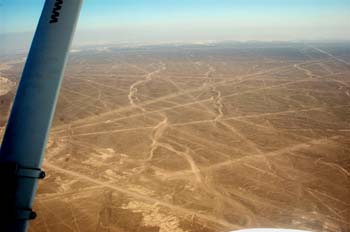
<point>25,138</point>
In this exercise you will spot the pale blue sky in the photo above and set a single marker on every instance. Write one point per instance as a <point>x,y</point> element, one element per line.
<point>192,20</point>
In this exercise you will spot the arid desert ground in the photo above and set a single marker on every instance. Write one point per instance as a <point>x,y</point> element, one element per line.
<point>196,138</point>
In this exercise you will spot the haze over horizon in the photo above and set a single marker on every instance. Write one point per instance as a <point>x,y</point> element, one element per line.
<point>144,21</point>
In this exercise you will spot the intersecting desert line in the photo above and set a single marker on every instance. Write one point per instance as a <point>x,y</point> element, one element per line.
<point>199,138</point>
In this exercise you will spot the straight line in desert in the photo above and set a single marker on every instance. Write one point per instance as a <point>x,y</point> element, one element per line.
<point>135,115</point>
<point>143,197</point>
<point>292,148</point>
<point>52,212</point>
<point>202,121</point>
<point>194,168</point>
<point>206,100</point>
<point>307,71</point>
<point>330,209</point>
<point>186,91</point>
<point>310,74</point>
<point>85,104</point>
<point>330,55</point>
<point>107,132</point>
<point>204,142</point>
<point>217,101</point>
<point>145,103</point>
<point>58,195</point>
<point>180,105</point>
<point>123,90</point>
<point>210,188</point>
<point>256,115</point>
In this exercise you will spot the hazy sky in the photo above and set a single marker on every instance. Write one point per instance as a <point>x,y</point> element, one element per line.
<point>104,21</point>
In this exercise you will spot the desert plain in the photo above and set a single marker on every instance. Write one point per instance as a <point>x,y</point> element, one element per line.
<point>196,138</point>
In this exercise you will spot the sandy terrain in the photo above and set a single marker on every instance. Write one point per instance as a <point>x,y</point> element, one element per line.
<point>5,84</point>
<point>200,138</point>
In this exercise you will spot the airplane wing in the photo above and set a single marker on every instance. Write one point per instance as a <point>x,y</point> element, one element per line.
<point>26,134</point>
